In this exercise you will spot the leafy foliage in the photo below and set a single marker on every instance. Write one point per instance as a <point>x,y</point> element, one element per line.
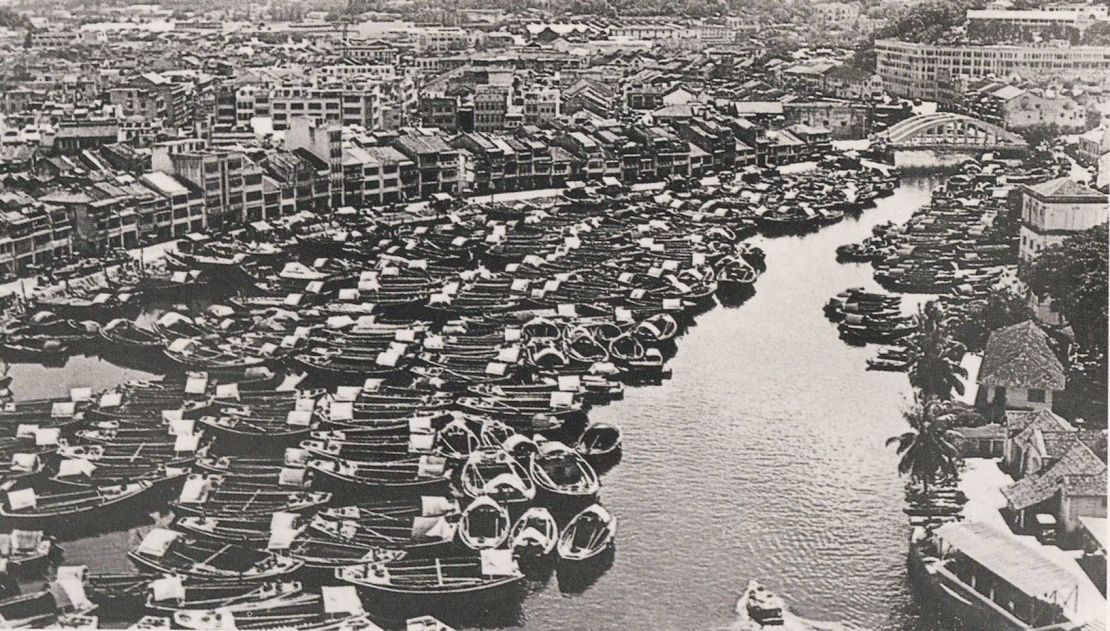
<point>928,21</point>
<point>1073,274</point>
<point>934,355</point>
<point>1097,34</point>
<point>999,309</point>
<point>928,450</point>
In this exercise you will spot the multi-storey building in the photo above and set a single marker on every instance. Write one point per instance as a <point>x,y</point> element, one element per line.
<point>995,25</point>
<point>376,52</point>
<point>155,97</point>
<point>585,149</point>
<point>440,111</point>
<point>843,119</point>
<point>542,105</point>
<point>440,40</point>
<point>326,144</point>
<point>232,184</point>
<point>915,70</point>
<point>1054,210</point>
<point>491,104</point>
<point>338,104</point>
<point>31,233</point>
<point>185,201</point>
<point>437,163</point>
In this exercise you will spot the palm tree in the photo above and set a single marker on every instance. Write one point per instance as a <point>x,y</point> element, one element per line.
<point>934,356</point>
<point>928,449</point>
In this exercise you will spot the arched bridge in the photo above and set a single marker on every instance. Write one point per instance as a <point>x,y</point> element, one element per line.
<point>946,131</point>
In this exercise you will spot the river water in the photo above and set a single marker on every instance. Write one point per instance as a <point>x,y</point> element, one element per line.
<point>763,457</point>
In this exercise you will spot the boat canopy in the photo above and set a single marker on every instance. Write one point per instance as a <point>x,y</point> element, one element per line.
<point>1004,556</point>
<point>341,599</point>
<point>498,563</point>
<point>158,541</point>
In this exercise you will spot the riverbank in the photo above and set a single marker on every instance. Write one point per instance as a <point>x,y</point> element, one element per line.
<point>730,455</point>
<point>982,480</point>
<point>415,212</point>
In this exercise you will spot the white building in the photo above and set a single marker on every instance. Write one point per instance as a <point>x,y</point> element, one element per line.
<point>1055,210</point>
<point>914,70</point>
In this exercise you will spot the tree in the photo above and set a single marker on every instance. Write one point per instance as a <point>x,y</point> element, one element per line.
<point>928,450</point>
<point>1097,34</point>
<point>1000,308</point>
<point>934,355</point>
<point>1073,274</point>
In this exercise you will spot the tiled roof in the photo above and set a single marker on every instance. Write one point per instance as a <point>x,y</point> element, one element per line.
<point>1073,472</point>
<point>1095,440</point>
<point>1020,356</point>
<point>991,431</point>
<point>1017,421</point>
<point>1065,188</point>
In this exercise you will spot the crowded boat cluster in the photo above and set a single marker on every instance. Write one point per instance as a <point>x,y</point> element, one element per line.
<point>957,244</point>
<point>866,317</point>
<point>363,416</point>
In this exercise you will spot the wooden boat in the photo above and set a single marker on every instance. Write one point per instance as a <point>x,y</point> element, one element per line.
<point>424,472</point>
<point>588,534</point>
<point>27,506</point>
<point>26,551</point>
<point>151,623</point>
<point>171,593</point>
<point>425,623</point>
<point>563,472</point>
<point>484,524</point>
<point>337,608</point>
<point>127,336</point>
<point>245,532</point>
<point>758,609</point>
<point>419,525</point>
<point>171,552</point>
<point>125,590</point>
<point>760,606</point>
<point>599,441</point>
<point>214,495</point>
<point>494,472</point>
<point>35,348</point>
<point>488,573</point>
<point>61,604</point>
<point>535,533</point>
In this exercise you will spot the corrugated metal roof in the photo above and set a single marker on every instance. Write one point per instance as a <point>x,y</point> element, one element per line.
<point>1003,555</point>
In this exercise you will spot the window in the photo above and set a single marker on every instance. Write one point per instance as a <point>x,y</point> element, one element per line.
<point>1036,395</point>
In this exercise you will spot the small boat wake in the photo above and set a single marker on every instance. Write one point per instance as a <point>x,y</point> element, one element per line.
<point>759,609</point>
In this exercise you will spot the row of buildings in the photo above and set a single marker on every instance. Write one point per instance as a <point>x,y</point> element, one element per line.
<point>111,196</point>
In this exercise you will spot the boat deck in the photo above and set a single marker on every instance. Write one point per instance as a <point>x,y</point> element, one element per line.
<point>982,481</point>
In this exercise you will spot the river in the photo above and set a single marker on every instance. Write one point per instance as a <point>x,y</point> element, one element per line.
<point>763,457</point>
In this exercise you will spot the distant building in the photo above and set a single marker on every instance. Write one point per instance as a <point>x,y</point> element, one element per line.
<point>74,136</point>
<point>849,82</point>
<point>337,104</point>
<point>231,183</point>
<point>915,70</point>
<point>1016,108</point>
<point>155,97</point>
<point>840,119</point>
<point>1093,144</point>
<point>1069,24</point>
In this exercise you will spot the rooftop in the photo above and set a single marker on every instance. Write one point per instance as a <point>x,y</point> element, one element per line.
<point>1021,356</point>
<point>1004,556</point>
